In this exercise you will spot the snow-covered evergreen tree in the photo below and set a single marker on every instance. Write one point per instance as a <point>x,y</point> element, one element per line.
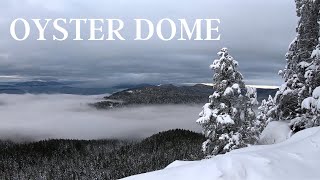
<point>267,112</point>
<point>228,120</point>
<point>299,73</point>
<point>310,106</point>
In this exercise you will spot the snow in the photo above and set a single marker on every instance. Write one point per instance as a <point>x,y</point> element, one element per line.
<point>312,103</point>
<point>315,53</point>
<point>225,119</point>
<point>223,105</point>
<point>287,91</point>
<point>307,103</point>
<point>275,132</point>
<point>179,163</point>
<point>295,159</point>
<point>228,91</point>
<point>215,94</point>
<point>304,64</point>
<point>293,42</point>
<point>318,106</point>
<point>215,64</point>
<point>308,74</point>
<point>233,140</point>
<point>236,63</point>
<point>205,114</point>
<point>316,93</point>
<point>252,93</point>
<point>236,87</point>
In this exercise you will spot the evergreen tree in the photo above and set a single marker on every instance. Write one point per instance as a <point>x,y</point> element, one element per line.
<point>267,112</point>
<point>300,74</point>
<point>228,120</point>
<point>310,106</point>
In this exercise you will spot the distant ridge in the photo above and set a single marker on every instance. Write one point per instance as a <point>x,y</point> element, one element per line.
<point>166,94</point>
<point>255,86</point>
<point>51,87</point>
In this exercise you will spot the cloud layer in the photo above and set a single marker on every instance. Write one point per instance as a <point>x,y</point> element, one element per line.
<point>37,117</point>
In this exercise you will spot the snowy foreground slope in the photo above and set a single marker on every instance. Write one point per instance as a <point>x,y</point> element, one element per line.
<point>298,158</point>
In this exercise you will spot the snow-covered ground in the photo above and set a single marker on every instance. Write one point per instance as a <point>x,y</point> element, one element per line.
<point>297,158</point>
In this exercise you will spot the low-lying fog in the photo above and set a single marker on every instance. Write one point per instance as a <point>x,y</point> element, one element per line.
<point>37,117</point>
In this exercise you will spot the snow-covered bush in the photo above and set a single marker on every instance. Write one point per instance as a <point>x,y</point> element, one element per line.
<point>310,112</point>
<point>228,120</point>
<point>275,132</point>
<point>267,112</point>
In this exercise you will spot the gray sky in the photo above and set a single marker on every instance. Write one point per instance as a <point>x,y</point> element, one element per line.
<point>257,33</point>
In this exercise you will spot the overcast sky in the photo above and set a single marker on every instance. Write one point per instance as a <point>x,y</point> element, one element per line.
<point>257,33</point>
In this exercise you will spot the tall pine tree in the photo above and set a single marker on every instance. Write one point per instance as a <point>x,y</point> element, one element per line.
<point>299,73</point>
<point>228,120</point>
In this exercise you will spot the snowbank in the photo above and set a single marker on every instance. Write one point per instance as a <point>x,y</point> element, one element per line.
<point>274,133</point>
<point>298,158</point>
<point>179,163</point>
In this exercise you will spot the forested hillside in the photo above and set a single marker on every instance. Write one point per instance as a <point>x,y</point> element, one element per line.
<point>98,159</point>
<point>165,94</point>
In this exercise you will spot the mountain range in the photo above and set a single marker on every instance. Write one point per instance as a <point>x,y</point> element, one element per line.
<point>52,87</point>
